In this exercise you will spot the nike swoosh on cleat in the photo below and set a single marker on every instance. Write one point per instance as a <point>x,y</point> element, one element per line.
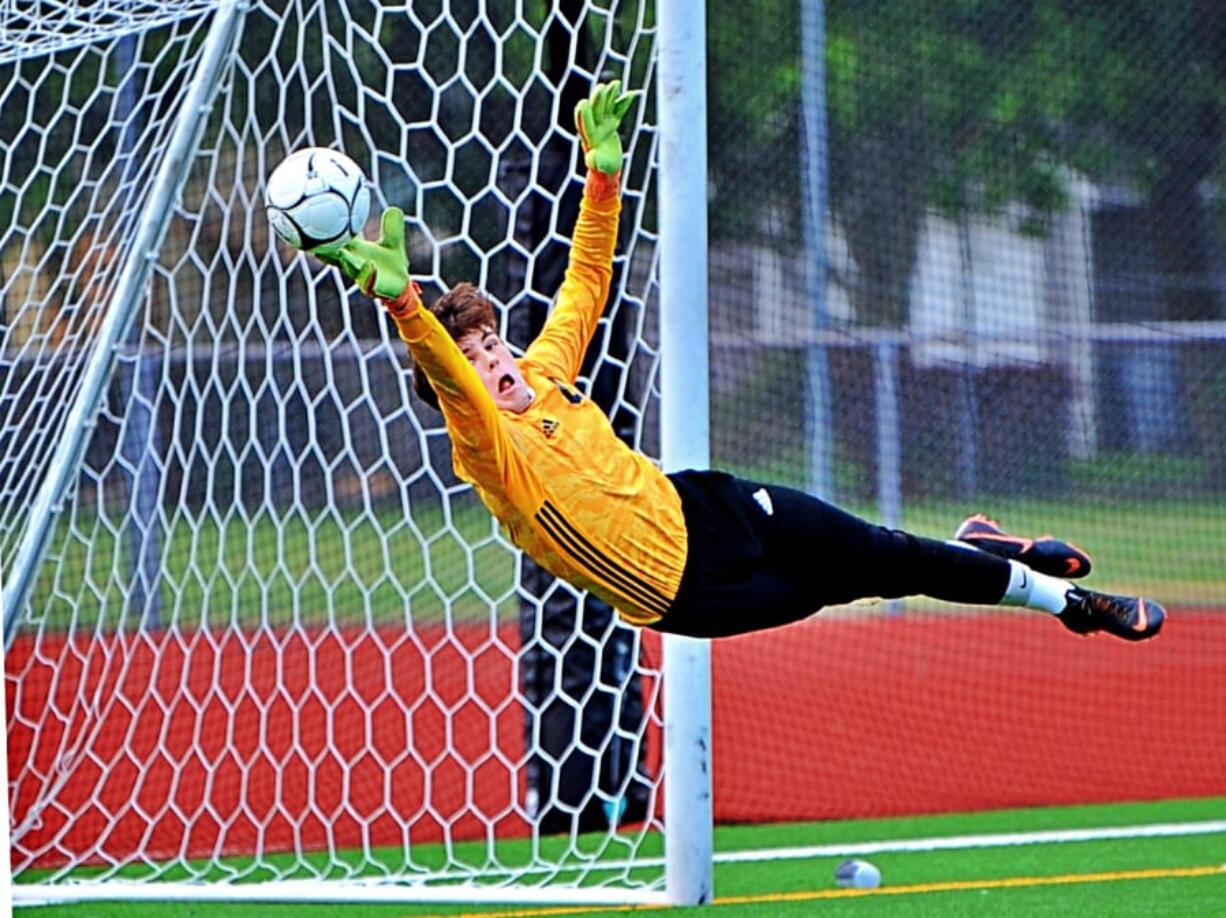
<point>1022,544</point>
<point>1072,565</point>
<point>1142,616</point>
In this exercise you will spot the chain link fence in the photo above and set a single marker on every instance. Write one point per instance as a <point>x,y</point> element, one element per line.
<point>986,263</point>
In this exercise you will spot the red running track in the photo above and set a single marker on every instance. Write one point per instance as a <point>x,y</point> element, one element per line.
<point>928,713</point>
<point>235,742</point>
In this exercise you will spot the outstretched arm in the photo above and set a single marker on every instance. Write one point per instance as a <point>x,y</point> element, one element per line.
<point>560,347</point>
<point>381,270</point>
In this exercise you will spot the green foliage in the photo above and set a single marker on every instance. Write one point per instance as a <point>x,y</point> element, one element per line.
<point>997,92</point>
<point>754,83</point>
<point>965,106</point>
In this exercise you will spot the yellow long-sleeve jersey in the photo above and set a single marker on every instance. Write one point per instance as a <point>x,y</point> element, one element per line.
<point>570,493</point>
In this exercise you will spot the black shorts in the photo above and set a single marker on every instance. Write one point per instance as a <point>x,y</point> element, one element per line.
<point>761,555</point>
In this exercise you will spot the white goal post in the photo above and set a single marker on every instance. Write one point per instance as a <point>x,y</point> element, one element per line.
<point>260,643</point>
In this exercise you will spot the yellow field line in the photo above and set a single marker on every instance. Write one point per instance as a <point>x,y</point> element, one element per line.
<point>958,885</point>
<point>914,889</point>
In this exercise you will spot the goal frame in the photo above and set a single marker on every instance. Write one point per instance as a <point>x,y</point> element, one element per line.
<point>688,858</point>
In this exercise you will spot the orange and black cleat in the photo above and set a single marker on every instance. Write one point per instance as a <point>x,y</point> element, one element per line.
<point>1127,617</point>
<point>1046,554</point>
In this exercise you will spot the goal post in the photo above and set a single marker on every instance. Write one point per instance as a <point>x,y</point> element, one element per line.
<point>685,423</point>
<point>261,644</point>
<point>124,303</point>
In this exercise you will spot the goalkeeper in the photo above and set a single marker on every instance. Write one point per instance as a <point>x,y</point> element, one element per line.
<point>699,553</point>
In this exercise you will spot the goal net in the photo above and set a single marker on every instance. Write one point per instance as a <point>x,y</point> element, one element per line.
<point>257,632</point>
<point>962,261</point>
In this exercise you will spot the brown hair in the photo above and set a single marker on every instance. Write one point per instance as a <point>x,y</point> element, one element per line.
<point>460,310</point>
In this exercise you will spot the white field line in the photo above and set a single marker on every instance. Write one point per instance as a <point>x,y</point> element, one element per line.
<point>370,891</point>
<point>940,843</point>
<point>998,840</point>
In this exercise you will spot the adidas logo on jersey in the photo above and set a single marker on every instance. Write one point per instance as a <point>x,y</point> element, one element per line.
<point>764,501</point>
<point>550,426</point>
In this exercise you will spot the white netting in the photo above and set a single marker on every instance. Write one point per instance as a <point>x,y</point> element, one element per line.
<point>45,26</point>
<point>272,637</point>
<point>79,134</point>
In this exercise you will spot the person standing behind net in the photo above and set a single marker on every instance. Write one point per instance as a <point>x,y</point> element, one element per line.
<point>699,553</point>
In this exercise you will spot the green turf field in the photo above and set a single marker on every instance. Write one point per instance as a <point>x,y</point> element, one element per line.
<point>1171,550</point>
<point>391,567</point>
<point>1183,875</point>
<point>306,568</point>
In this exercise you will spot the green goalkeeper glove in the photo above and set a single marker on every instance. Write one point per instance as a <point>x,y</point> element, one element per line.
<point>597,119</point>
<point>378,268</point>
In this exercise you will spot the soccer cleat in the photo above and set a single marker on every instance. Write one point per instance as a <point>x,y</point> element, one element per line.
<point>1127,617</point>
<point>1046,554</point>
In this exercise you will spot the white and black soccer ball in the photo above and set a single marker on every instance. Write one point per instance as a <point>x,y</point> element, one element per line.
<point>317,197</point>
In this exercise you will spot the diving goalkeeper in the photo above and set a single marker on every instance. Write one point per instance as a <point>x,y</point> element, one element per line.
<point>699,553</point>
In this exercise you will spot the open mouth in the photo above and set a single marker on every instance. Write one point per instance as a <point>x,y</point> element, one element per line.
<point>505,383</point>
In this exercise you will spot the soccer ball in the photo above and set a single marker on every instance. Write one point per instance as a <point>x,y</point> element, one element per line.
<point>317,197</point>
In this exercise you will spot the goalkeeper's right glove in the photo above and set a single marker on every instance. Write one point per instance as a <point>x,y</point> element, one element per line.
<point>378,268</point>
<point>597,119</point>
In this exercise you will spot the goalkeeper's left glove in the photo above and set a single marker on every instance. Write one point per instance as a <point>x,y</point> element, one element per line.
<point>379,268</point>
<point>597,119</point>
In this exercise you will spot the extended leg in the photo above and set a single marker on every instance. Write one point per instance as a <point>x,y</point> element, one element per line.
<point>1083,611</point>
<point>859,559</point>
<point>856,559</point>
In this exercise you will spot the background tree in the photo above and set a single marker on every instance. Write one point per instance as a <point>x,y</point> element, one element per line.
<point>1146,108</point>
<point>971,105</point>
<point>934,105</point>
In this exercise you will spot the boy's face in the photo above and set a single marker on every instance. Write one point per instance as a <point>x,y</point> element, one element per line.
<point>497,368</point>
